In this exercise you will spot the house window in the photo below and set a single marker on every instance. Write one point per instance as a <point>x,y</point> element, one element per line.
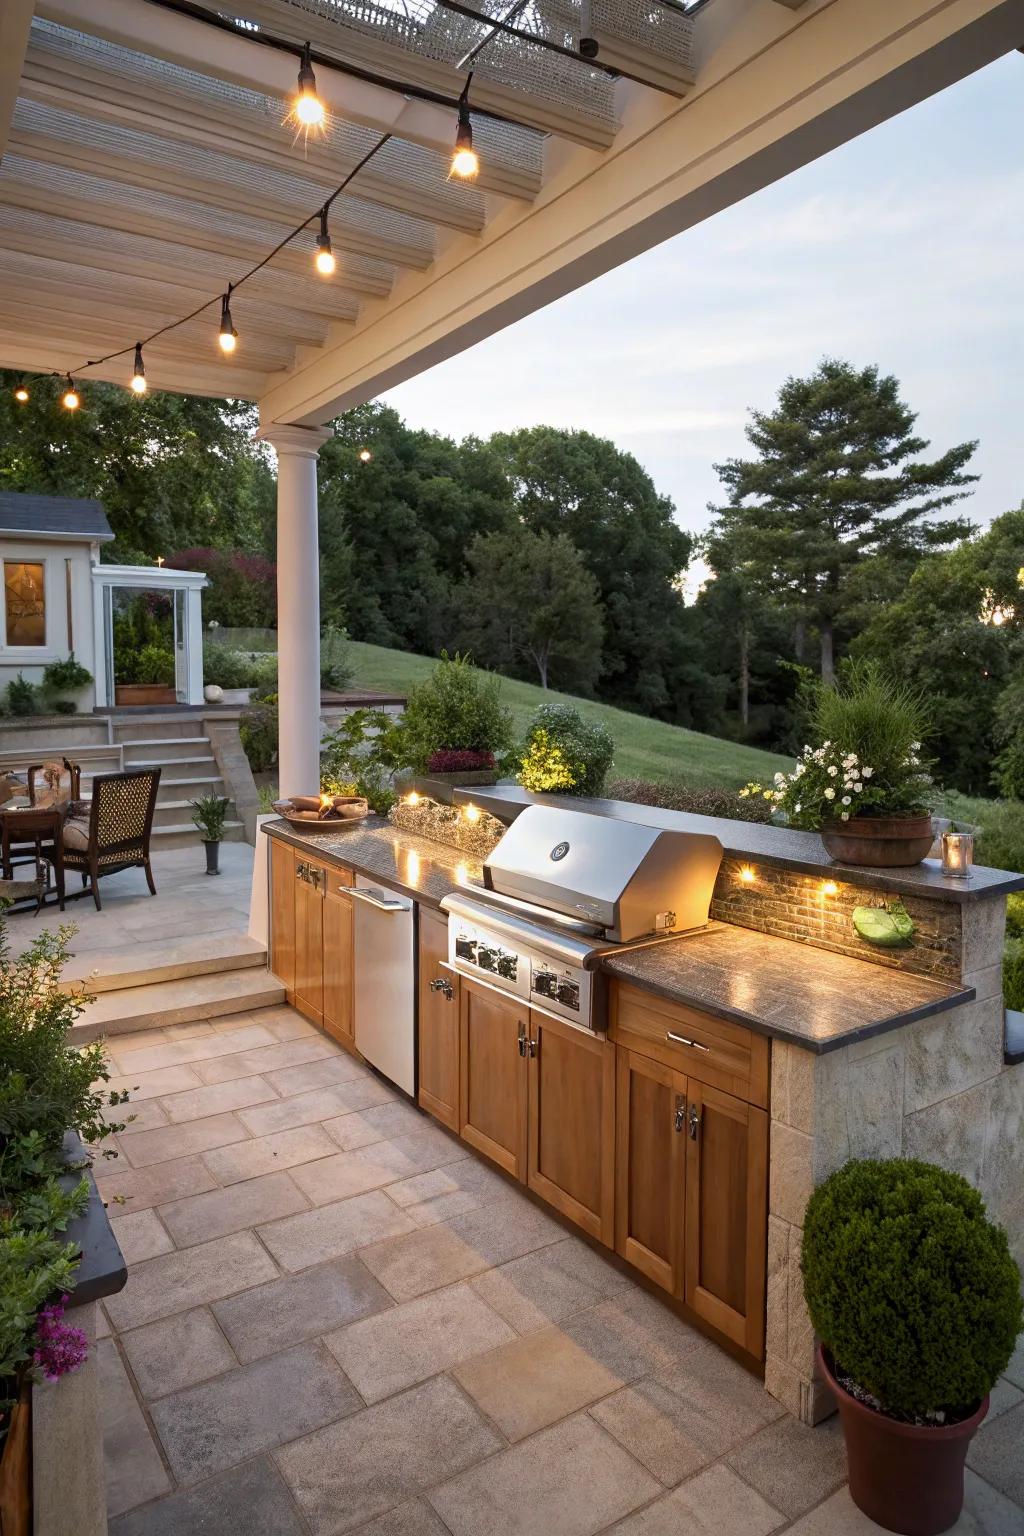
<point>25,602</point>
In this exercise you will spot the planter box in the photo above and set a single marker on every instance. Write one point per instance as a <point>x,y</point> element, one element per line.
<point>16,1472</point>
<point>144,693</point>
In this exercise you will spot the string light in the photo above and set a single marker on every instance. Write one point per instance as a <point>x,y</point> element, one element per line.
<point>228,337</point>
<point>21,394</point>
<point>465,160</point>
<point>70,400</point>
<point>365,455</point>
<point>324,259</point>
<point>138,372</point>
<point>308,108</point>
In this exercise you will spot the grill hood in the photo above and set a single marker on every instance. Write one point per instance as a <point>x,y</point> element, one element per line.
<point>629,880</point>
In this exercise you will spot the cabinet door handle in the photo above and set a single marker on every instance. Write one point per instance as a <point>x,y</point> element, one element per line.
<point>680,1118</point>
<point>694,1045</point>
<point>531,1048</point>
<point>443,985</point>
<point>693,1125</point>
<point>522,1038</point>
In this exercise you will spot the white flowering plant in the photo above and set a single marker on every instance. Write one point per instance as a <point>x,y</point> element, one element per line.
<point>869,762</point>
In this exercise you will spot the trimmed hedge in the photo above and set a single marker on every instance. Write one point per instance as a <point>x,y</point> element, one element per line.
<point>679,797</point>
<point>911,1288</point>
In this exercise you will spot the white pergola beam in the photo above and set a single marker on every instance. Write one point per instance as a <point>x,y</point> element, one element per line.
<point>90,336</point>
<point>15,25</point>
<point>22,350</point>
<point>775,92</point>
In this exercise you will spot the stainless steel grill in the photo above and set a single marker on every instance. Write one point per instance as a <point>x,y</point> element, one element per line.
<point>561,888</point>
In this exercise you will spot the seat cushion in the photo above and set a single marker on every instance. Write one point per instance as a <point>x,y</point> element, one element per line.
<point>76,832</point>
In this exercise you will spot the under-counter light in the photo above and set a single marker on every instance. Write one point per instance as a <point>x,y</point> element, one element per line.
<point>747,875</point>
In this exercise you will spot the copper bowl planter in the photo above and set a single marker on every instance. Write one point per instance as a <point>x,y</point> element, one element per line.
<point>908,1478</point>
<point>888,842</point>
<point>307,810</point>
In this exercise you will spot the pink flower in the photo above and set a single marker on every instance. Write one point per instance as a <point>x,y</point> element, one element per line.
<point>60,1348</point>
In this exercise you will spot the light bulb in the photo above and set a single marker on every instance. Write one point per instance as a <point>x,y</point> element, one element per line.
<point>324,259</point>
<point>365,455</point>
<point>21,394</point>
<point>465,164</point>
<point>325,263</point>
<point>228,341</point>
<point>308,108</point>
<point>228,335</point>
<point>70,402</point>
<point>139,373</point>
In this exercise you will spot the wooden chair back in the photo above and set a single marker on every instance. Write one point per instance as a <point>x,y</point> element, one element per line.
<point>54,783</point>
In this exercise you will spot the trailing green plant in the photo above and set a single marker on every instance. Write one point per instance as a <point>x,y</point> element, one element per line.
<point>336,668</point>
<point>67,676</point>
<point>361,756</point>
<point>683,797</point>
<point>565,753</point>
<point>911,1288</point>
<point>1013,974</point>
<point>153,664</point>
<point>22,696</point>
<point>866,761</point>
<point>258,731</point>
<point>209,813</point>
<point>457,708</point>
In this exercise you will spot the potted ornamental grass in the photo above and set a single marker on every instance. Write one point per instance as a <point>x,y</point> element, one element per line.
<point>864,784</point>
<point>915,1297</point>
<point>209,814</point>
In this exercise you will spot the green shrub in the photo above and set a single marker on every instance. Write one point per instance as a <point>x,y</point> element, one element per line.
<point>457,707</point>
<point>335,658</point>
<point>360,756</point>
<point>999,841</point>
<point>1015,915</point>
<point>227,668</point>
<point>1008,729</point>
<point>65,707</point>
<point>911,1288</point>
<point>1013,974</point>
<point>258,730</point>
<point>680,797</point>
<point>570,747</point>
<point>22,697</point>
<point>68,676</point>
<point>154,664</point>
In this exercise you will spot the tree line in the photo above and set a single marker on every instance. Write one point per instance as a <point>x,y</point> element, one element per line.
<point>551,555</point>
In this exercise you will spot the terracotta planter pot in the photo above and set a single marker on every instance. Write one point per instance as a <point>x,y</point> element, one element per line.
<point>144,693</point>
<point>906,1477</point>
<point>884,841</point>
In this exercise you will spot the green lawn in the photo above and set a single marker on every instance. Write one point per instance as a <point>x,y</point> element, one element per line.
<point>644,749</point>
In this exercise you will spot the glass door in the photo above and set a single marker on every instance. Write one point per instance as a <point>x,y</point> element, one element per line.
<point>180,647</point>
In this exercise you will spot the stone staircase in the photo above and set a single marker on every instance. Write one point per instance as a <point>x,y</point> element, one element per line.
<point>138,988</point>
<point>178,746</point>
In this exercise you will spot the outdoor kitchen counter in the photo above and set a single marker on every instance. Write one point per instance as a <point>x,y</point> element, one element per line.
<point>806,996</point>
<point>417,867</point>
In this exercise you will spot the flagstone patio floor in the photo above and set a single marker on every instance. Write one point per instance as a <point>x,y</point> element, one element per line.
<point>336,1319</point>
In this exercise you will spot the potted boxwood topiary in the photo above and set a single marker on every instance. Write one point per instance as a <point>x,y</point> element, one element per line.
<point>209,813</point>
<point>916,1299</point>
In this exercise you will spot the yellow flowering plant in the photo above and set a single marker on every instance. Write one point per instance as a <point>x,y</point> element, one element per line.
<point>544,768</point>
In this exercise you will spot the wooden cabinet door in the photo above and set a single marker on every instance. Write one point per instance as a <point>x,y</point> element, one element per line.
<point>337,965</point>
<point>650,1162</point>
<point>309,939</point>
<point>282,914</point>
<point>572,1123</point>
<point>726,1213</point>
<point>438,1023</point>
<point>492,1075</point>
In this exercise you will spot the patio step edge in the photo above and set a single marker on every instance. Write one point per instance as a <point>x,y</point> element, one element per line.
<point>176,1002</point>
<point>120,969</point>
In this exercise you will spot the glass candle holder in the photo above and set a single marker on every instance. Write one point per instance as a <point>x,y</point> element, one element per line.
<point>957,854</point>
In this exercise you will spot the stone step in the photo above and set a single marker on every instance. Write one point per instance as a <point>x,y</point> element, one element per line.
<point>146,752</point>
<point>183,834</point>
<point>127,1009</point>
<point>139,965</point>
<point>177,813</point>
<point>182,767</point>
<point>175,789</point>
<point>155,727</point>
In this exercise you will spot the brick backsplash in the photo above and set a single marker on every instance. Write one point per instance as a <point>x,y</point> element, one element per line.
<point>794,906</point>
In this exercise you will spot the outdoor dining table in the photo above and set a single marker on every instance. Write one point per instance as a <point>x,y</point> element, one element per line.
<point>39,828</point>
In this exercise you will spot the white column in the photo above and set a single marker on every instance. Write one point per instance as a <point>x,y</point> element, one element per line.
<point>298,605</point>
<point>194,642</point>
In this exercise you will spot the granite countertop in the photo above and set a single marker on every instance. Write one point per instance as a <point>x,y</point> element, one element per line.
<point>779,846</point>
<point>810,997</point>
<point>415,866</point>
<point>807,996</point>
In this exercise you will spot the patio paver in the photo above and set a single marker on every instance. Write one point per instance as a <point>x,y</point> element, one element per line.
<point>432,1356</point>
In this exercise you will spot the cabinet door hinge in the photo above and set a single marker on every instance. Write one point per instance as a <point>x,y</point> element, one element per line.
<point>680,1116</point>
<point>693,1125</point>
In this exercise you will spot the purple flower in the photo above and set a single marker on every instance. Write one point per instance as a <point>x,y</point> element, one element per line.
<point>60,1348</point>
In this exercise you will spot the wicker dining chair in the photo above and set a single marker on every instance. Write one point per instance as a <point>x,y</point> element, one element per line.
<point>115,834</point>
<point>54,783</point>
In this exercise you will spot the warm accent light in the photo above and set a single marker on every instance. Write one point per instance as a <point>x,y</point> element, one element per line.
<point>829,888</point>
<point>465,160</point>
<point>462,874</point>
<point>21,394</point>
<point>471,812</point>
<point>412,798</point>
<point>228,337</point>
<point>308,108</point>
<point>747,875</point>
<point>70,400</point>
<point>138,372</point>
<point>324,259</point>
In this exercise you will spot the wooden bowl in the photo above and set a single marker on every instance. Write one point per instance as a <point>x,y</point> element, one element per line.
<point>304,810</point>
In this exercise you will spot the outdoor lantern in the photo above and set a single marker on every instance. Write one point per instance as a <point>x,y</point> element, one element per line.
<point>957,854</point>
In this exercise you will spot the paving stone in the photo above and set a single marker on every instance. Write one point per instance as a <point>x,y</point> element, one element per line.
<point>132,1189</point>
<point>396,1349</point>
<point>342,1068</point>
<point>412,1519</point>
<point>714,1503</point>
<point>397,1119</point>
<point>464,1246</point>
<point>177,1281</point>
<point>289,1025</point>
<point>448,1191</point>
<point>303,1306</point>
<point>644,1419</point>
<point>272,1056</point>
<point>333,1230</point>
<point>134,1470</point>
<point>986,1512</point>
<point>177,1352</point>
<point>215,1097</point>
<point>188,1052</point>
<point>140,1235</point>
<point>720,1403</point>
<point>351,1130</point>
<point>319,1104</point>
<point>792,1466</point>
<point>533,1381</point>
<point>996,1453</point>
<point>572,1479</point>
<point>544,1287</point>
<point>142,1148</point>
<point>268,1154</point>
<point>633,1335</point>
<point>344,1174</point>
<point>1015,1370</point>
<point>252,1500</point>
<point>139,1115</point>
<point>208,1428</point>
<point>150,1085</point>
<point>1002,1398</point>
<point>199,1218</point>
<point>379,1458</point>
